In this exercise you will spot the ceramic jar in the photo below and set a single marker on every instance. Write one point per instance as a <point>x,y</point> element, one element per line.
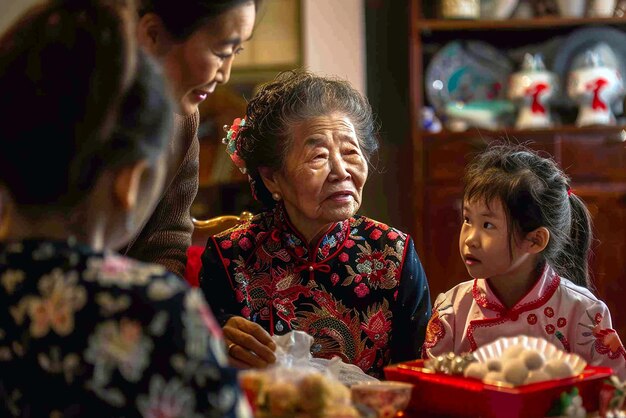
<point>460,9</point>
<point>595,87</point>
<point>572,8</point>
<point>602,8</point>
<point>532,89</point>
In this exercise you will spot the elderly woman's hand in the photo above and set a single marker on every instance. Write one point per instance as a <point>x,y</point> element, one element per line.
<point>249,345</point>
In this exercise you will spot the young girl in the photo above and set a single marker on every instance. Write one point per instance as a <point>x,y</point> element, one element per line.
<point>525,240</point>
<point>84,331</point>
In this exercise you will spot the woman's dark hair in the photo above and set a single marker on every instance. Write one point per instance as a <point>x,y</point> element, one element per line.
<point>295,96</point>
<point>183,17</point>
<point>535,193</point>
<point>77,98</point>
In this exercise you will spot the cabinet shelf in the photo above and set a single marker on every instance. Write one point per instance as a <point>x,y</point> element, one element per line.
<point>613,133</point>
<point>593,157</point>
<point>434,25</point>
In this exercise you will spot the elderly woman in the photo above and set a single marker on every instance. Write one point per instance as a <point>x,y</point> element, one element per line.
<point>309,263</point>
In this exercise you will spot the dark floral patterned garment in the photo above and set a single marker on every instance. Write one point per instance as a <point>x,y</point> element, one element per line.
<point>100,335</point>
<point>361,292</point>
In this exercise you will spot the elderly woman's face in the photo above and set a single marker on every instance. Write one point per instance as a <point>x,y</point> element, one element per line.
<point>324,172</point>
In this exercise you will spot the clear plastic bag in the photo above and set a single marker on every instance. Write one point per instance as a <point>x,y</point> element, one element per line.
<point>301,386</point>
<point>294,349</point>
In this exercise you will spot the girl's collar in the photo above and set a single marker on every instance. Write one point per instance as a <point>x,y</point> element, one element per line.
<point>540,293</point>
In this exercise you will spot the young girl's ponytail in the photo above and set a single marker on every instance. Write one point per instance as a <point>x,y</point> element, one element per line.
<point>573,260</point>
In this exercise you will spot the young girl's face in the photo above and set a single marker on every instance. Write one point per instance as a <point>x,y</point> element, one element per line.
<point>484,242</point>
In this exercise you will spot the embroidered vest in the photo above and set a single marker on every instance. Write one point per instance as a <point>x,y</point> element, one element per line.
<point>341,291</point>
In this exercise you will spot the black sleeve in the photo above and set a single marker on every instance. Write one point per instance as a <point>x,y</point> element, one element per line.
<point>412,309</point>
<point>216,285</point>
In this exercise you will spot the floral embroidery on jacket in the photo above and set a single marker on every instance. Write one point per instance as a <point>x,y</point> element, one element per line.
<point>604,341</point>
<point>435,331</point>
<point>89,334</point>
<point>61,297</point>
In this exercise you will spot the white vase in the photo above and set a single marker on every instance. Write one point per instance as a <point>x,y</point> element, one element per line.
<point>532,89</point>
<point>595,89</point>
<point>572,8</point>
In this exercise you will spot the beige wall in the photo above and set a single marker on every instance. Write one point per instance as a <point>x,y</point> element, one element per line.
<point>334,39</point>
<point>11,9</point>
<point>333,35</point>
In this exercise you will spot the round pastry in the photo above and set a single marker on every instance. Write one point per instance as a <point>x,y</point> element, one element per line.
<point>282,399</point>
<point>494,377</point>
<point>513,351</point>
<point>533,359</point>
<point>537,376</point>
<point>515,371</point>
<point>494,365</point>
<point>558,368</point>
<point>476,370</point>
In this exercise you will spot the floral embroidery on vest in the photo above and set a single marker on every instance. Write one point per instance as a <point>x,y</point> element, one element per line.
<point>341,290</point>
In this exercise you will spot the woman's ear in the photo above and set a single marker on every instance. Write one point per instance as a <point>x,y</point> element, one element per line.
<point>537,240</point>
<point>151,34</point>
<point>127,182</point>
<point>268,175</point>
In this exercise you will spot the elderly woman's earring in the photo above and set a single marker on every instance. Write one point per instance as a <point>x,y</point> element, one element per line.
<point>276,196</point>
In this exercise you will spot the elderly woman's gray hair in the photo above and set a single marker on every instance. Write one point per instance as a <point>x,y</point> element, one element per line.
<point>293,97</point>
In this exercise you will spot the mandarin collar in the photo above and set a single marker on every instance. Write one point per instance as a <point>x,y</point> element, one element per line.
<point>294,242</point>
<point>539,294</point>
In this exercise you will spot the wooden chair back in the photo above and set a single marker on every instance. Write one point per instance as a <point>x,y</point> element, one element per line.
<point>204,228</point>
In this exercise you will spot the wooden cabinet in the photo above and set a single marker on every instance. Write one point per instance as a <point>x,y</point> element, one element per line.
<point>594,157</point>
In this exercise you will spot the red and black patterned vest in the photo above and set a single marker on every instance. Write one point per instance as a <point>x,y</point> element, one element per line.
<point>341,291</point>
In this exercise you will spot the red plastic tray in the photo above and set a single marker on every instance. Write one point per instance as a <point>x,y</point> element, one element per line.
<point>436,394</point>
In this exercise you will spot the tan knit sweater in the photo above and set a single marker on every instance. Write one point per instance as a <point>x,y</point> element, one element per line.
<point>165,237</point>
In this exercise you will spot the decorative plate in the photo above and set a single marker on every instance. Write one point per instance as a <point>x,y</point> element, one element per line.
<point>572,51</point>
<point>466,71</point>
<point>495,349</point>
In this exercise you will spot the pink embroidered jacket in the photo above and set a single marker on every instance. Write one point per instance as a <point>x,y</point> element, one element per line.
<point>470,315</point>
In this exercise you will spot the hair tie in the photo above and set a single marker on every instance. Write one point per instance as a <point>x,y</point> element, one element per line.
<point>569,191</point>
<point>231,143</point>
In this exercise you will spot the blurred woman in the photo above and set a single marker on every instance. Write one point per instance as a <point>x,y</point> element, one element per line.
<point>83,331</point>
<point>196,41</point>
